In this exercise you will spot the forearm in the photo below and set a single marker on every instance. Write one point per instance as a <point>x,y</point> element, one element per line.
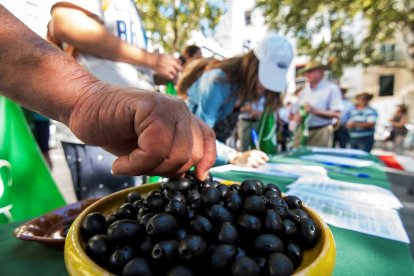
<point>89,36</point>
<point>327,114</point>
<point>36,74</point>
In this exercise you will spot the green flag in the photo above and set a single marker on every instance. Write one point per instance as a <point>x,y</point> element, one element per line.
<point>304,126</point>
<point>32,190</point>
<point>171,89</point>
<point>267,132</point>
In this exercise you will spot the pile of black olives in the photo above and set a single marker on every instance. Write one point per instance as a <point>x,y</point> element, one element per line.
<point>193,227</point>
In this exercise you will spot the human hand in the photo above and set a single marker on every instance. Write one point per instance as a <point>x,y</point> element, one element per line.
<point>251,158</point>
<point>166,67</point>
<point>308,108</point>
<point>152,133</point>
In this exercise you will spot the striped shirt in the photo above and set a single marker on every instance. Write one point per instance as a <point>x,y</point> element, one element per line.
<point>365,115</point>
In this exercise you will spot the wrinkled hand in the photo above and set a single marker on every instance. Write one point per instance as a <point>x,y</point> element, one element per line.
<point>152,133</point>
<point>167,67</point>
<point>251,158</point>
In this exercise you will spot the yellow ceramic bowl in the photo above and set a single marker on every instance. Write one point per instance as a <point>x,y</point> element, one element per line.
<point>320,260</point>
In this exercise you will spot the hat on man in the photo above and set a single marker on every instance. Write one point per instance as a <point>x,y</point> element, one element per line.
<point>365,95</point>
<point>275,55</point>
<point>314,65</point>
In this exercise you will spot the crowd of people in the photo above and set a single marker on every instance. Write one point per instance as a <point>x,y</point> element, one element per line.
<point>109,101</point>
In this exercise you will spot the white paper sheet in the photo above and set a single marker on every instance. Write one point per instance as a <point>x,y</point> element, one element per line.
<point>344,152</point>
<point>361,193</point>
<point>283,170</point>
<point>381,222</point>
<point>337,160</point>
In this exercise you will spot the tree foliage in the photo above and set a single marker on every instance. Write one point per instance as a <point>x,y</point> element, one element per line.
<point>343,47</point>
<point>172,21</point>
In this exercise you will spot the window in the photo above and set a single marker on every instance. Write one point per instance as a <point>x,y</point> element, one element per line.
<point>248,18</point>
<point>386,83</point>
<point>388,52</point>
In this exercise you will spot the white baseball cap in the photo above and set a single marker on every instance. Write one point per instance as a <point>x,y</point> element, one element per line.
<point>275,54</point>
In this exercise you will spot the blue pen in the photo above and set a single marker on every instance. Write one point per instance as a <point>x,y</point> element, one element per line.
<point>255,139</point>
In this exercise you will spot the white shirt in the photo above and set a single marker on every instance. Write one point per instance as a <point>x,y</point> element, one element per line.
<point>325,96</point>
<point>121,18</point>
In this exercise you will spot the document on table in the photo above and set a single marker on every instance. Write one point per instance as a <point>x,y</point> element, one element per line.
<point>338,161</point>
<point>283,170</point>
<point>345,152</point>
<point>362,193</point>
<point>347,214</point>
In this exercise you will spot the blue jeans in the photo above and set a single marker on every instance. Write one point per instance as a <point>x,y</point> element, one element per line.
<point>363,143</point>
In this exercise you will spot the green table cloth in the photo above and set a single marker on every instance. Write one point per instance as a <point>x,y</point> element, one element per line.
<point>356,253</point>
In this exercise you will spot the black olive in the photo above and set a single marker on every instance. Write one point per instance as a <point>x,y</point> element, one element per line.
<point>194,182</point>
<point>98,249</point>
<point>254,205</point>
<point>273,222</point>
<point>119,258</point>
<point>265,244</point>
<point>124,232</point>
<point>145,218</point>
<point>180,234</point>
<point>201,225</point>
<point>141,213</point>
<point>271,194</point>
<point>279,264</point>
<point>240,252</point>
<point>275,202</point>
<point>210,196</point>
<point>137,204</point>
<point>174,195</point>
<point>92,224</point>
<point>153,202</point>
<point>219,214</point>
<point>111,219</point>
<point>146,247</point>
<point>282,211</point>
<point>260,185</point>
<point>261,263</point>
<point>294,252</point>
<point>244,266</point>
<point>249,187</point>
<point>223,189</point>
<point>194,198</point>
<point>161,226</point>
<point>301,213</point>
<point>309,232</point>
<point>293,202</point>
<point>212,183</point>
<point>192,247</point>
<point>181,185</point>
<point>290,229</point>
<point>177,209</point>
<point>165,250</point>
<point>249,224</point>
<point>293,216</point>
<point>132,197</point>
<point>234,187</point>
<point>273,187</point>
<point>190,214</point>
<point>179,270</point>
<point>129,207</point>
<point>233,201</point>
<point>222,257</point>
<point>137,267</point>
<point>227,233</point>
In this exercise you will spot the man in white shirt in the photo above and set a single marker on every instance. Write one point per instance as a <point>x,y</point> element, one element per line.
<point>321,100</point>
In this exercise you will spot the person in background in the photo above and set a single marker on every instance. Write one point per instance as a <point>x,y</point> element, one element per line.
<point>321,101</point>
<point>41,131</point>
<point>283,133</point>
<point>151,133</point>
<point>361,124</point>
<point>341,134</point>
<point>249,118</point>
<point>108,39</point>
<point>225,86</point>
<point>190,53</point>
<point>399,131</point>
<point>293,113</point>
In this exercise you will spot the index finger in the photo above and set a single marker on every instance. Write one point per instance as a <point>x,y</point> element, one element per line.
<point>209,142</point>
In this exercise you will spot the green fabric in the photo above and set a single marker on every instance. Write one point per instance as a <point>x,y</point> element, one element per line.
<point>171,89</point>
<point>33,191</point>
<point>356,253</point>
<point>267,132</point>
<point>304,126</point>
<point>22,258</point>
